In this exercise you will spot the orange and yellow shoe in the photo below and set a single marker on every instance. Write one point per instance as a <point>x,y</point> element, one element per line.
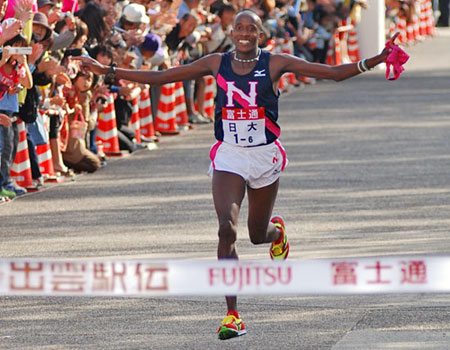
<point>279,249</point>
<point>231,326</point>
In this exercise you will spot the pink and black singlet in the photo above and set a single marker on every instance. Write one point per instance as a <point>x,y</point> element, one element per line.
<point>246,110</point>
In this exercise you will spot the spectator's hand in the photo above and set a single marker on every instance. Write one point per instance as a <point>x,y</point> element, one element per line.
<point>101,90</point>
<point>63,79</point>
<point>125,91</point>
<point>37,51</point>
<point>11,31</point>
<point>14,89</point>
<point>22,59</point>
<point>70,22</point>
<point>5,55</point>
<point>78,109</point>
<point>133,37</point>
<point>47,66</point>
<point>168,18</point>
<point>23,10</point>
<point>57,100</point>
<point>5,120</point>
<point>56,69</point>
<point>88,64</point>
<point>54,16</point>
<point>100,102</point>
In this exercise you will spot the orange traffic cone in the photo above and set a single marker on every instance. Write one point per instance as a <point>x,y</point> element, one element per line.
<point>21,169</point>
<point>422,19</point>
<point>165,121</point>
<point>353,45</point>
<point>312,43</point>
<point>337,49</point>
<point>145,114</point>
<point>410,32</point>
<point>401,28</point>
<point>181,114</point>
<point>292,79</point>
<point>44,153</point>
<point>134,124</point>
<point>107,129</point>
<point>282,84</point>
<point>210,94</point>
<point>330,53</point>
<point>429,18</point>
<point>416,26</point>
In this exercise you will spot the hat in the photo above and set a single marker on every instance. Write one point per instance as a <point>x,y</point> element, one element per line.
<point>42,3</point>
<point>40,18</point>
<point>135,13</point>
<point>152,42</point>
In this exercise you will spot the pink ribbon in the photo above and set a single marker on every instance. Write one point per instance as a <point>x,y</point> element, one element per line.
<point>396,58</point>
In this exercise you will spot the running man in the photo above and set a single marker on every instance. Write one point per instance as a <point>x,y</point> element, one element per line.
<point>247,155</point>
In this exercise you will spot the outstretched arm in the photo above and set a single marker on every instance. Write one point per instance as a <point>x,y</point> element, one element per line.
<point>321,71</point>
<point>204,66</point>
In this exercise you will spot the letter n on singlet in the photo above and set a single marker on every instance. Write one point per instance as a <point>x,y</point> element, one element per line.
<point>250,98</point>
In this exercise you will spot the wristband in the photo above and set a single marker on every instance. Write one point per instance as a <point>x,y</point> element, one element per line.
<point>364,64</point>
<point>360,68</point>
<point>114,88</point>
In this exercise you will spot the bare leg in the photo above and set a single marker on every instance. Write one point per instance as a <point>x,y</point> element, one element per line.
<point>260,205</point>
<point>58,163</point>
<point>228,192</point>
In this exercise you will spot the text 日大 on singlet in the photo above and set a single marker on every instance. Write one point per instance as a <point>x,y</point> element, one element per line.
<point>246,110</point>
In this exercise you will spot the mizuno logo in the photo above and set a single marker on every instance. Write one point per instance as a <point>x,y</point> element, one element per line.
<point>260,73</point>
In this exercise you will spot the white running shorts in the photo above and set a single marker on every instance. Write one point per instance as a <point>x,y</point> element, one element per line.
<point>259,166</point>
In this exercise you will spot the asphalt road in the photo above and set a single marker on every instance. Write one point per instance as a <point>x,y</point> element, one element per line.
<point>368,176</point>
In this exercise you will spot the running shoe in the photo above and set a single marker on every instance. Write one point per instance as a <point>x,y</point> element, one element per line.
<point>231,326</point>
<point>18,190</point>
<point>5,193</point>
<point>279,249</point>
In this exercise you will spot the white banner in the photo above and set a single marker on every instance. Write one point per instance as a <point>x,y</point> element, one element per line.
<point>106,277</point>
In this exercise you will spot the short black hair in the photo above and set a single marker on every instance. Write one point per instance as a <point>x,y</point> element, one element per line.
<point>101,49</point>
<point>225,7</point>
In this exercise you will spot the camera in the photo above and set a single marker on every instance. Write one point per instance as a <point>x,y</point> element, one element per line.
<point>17,50</point>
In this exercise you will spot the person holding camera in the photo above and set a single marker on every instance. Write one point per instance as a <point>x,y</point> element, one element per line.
<point>14,76</point>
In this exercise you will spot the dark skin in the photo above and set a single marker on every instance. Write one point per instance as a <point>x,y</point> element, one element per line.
<point>229,189</point>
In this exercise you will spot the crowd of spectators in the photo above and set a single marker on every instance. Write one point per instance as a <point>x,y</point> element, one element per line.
<point>149,34</point>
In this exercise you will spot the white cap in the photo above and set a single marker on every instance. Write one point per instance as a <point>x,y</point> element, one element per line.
<point>135,13</point>
<point>9,22</point>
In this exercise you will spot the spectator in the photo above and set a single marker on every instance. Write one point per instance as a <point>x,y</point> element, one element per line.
<point>14,75</point>
<point>444,16</point>
<point>186,7</point>
<point>28,112</point>
<point>179,41</point>
<point>323,33</point>
<point>150,52</point>
<point>93,14</point>
<point>220,40</point>
<point>77,156</point>
<point>132,24</point>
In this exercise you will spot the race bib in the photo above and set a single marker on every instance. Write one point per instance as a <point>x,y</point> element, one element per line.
<point>244,126</point>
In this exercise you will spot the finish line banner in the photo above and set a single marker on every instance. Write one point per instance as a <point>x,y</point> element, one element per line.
<point>146,278</point>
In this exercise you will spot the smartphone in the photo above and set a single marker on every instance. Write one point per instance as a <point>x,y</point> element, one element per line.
<point>17,50</point>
